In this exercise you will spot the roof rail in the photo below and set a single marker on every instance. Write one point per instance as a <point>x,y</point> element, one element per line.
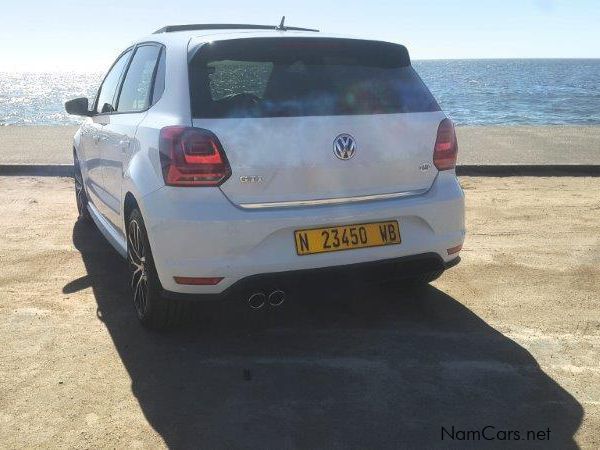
<point>227,26</point>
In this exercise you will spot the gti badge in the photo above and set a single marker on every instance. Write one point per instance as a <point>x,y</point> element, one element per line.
<point>344,146</point>
<point>251,179</point>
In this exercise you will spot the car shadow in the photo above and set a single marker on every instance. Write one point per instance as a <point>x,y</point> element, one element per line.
<point>364,368</point>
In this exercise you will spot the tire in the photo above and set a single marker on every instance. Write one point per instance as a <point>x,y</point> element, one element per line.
<point>153,311</point>
<point>80,194</point>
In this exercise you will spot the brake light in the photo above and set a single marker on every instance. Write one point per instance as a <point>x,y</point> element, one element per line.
<point>192,157</point>
<point>446,146</point>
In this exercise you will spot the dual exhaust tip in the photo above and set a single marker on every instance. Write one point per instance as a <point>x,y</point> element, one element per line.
<point>259,299</point>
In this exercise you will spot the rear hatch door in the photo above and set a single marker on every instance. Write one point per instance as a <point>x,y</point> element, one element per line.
<point>304,119</point>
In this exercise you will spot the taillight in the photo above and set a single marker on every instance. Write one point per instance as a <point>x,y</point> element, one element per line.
<point>446,147</point>
<point>192,157</point>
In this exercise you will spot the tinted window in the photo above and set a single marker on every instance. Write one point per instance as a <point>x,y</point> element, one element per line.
<point>159,80</point>
<point>226,78</point>
<point>106,95</point>
<point>136,90</point>
<point>271,77</point>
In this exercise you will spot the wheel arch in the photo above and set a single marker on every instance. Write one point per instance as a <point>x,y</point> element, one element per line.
<point>77,142</point>
<point>129,204</point>
<point>77,157</point>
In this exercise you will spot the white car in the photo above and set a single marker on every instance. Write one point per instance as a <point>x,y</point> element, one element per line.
<point>245,159</point>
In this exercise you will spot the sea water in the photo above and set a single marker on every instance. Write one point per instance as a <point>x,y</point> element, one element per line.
<point>471,92</point>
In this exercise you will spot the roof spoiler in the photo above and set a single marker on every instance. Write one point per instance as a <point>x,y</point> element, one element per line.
<point>230,26</point>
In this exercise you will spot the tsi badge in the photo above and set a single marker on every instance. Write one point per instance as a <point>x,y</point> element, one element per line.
<point>244,179</point>
<point>424,167</point>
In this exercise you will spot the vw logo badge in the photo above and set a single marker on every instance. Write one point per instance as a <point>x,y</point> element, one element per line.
<point>344,146</point>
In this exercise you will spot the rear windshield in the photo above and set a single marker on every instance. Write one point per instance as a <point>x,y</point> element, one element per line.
<point>274,77</point>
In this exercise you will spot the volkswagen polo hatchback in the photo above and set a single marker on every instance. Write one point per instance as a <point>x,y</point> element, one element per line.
<point>244,160</point>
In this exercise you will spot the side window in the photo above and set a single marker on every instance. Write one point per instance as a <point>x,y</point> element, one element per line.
<point>159,80</point>
<point>136,91</point>
<point>106,94</point>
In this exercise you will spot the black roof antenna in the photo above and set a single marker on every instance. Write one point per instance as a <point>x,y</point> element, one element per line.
<point>281,26</point>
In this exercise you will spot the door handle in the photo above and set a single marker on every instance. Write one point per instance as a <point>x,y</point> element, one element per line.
<point>98,138</point>
<point>124,144</point>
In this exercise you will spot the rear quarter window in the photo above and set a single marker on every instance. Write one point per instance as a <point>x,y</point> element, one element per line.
<point>273,77</point>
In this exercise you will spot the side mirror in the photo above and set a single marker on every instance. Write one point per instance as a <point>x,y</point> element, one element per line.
<point>78,107</point>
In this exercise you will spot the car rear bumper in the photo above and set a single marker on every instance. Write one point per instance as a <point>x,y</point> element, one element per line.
<point>369,272</point>
<point>198,232</point>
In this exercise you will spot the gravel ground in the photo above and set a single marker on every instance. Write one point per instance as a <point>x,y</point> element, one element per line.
<point>510,338</point>
<point>555,144</point>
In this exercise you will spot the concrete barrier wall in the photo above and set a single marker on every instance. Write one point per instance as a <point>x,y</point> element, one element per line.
<point>548,170</point>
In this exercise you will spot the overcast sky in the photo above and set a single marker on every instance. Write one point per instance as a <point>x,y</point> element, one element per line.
<point>86,35</point>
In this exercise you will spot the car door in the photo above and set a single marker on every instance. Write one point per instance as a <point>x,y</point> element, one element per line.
<point>133,100</point>
<point>93,131</point>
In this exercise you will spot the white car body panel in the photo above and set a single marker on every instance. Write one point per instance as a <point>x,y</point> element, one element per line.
<point>294,158</point>
<point>230,231</point>
<point>199,233</point>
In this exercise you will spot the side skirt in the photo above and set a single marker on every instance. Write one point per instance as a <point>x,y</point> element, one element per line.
<point>111,234</point>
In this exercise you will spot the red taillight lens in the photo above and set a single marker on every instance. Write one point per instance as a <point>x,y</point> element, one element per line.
<point>446,147</point>
<point>192,157</point>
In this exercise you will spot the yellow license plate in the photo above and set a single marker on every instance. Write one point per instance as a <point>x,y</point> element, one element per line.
<point>346,237</point>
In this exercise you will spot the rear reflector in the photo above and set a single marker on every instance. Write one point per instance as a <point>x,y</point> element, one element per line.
<point>192,157</point>
<point>456,249</point>
<point>446,147</point>
<point>198,281</point>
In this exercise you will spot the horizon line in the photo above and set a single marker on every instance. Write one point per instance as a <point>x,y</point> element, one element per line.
<point>96,70</point>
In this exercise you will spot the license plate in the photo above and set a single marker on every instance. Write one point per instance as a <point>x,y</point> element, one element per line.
<point>346,237</point>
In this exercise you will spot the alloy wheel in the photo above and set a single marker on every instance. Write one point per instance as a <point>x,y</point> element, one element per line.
<point>136,252</point>
<point>80,196</point>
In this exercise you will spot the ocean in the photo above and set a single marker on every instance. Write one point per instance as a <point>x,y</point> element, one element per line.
<point>471,92</point>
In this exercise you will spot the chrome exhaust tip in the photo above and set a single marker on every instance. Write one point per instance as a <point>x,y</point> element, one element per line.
<point>276,298</point>
<point>257,300</point>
